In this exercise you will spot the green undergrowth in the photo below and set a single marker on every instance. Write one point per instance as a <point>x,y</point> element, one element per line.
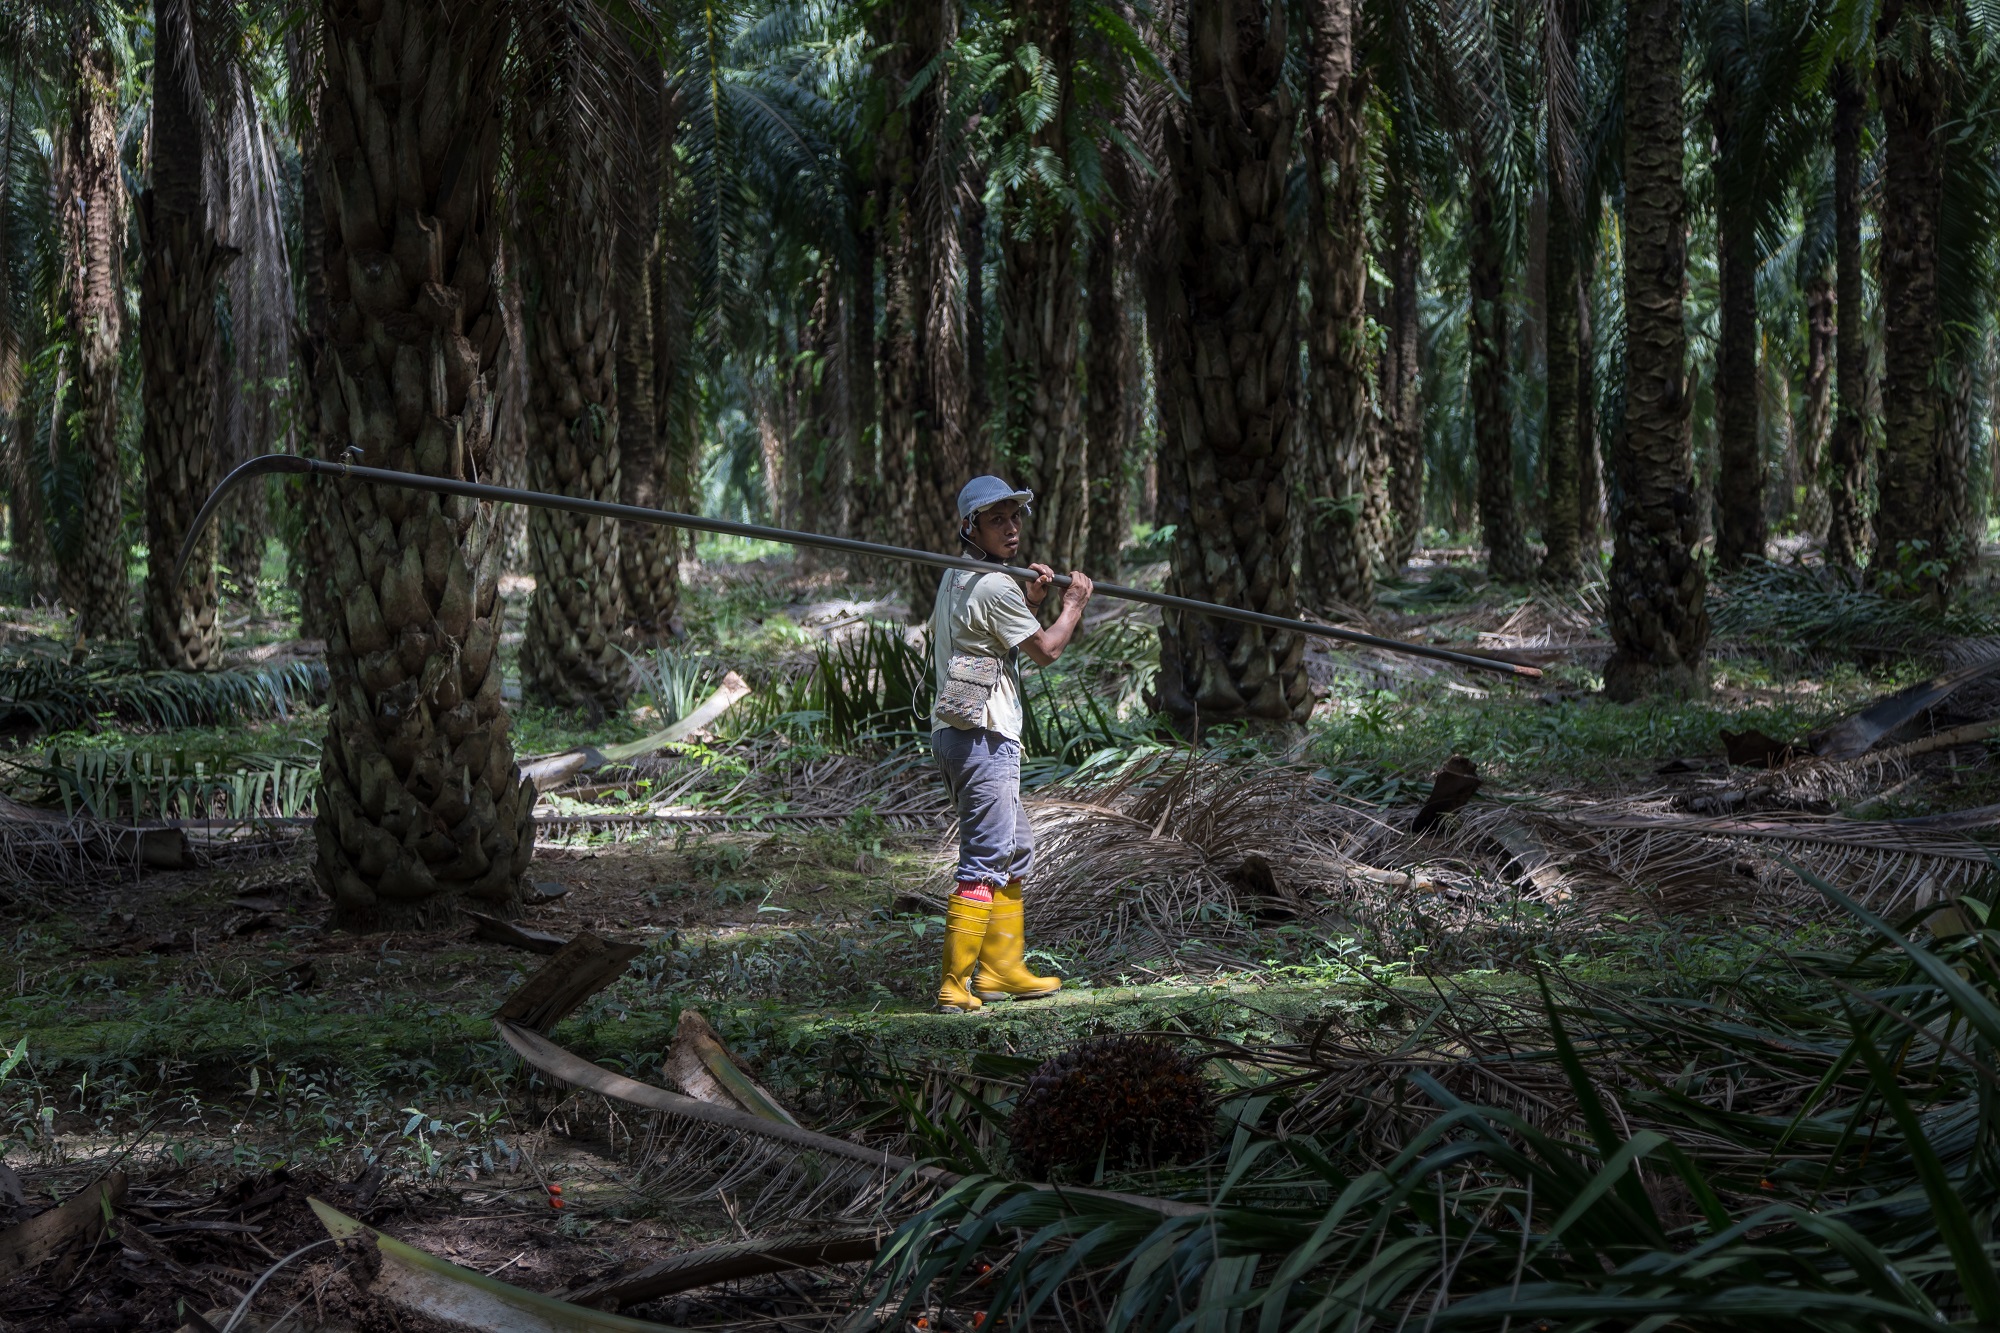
<point>1557,737</point>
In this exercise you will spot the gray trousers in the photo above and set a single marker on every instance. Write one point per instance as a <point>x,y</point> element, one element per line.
<point>982,771</point>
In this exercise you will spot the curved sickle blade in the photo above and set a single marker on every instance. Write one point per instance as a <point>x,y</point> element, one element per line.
<point>259,466</point>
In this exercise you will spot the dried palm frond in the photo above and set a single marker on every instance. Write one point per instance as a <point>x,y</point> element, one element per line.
<point>1195,849</point>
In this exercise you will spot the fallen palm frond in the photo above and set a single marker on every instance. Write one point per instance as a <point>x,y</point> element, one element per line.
<point>727,1263</point>
<point>81,1217</point>
<point>43,848</point>
<point>1196,850</point>
<point>769,1167</point>
<point>409,1279</point>
<point>550,771</point>
<point>1859,733</point>
<point>785,1168</point>
<point>1597,1162</point>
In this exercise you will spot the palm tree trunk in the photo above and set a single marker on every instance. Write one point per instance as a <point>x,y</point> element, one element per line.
<point>1816,407</point>
<point>1739,443</point>
<point>1223,319</point>
<point>1918,546</point>
<point>1343,463</point>
<point>979,392</point>
<point>1562,444</point>
<point>1403,415</point>
<point>1589,483</point>
<point>421,806</point>
<point>179,348</point>
<point>920,449</point>
<point>310,575</point>
<point>93,572</point>
<point>1847,533</point>
<point>818,465</point>
<point>1110,376</point>
<point>1492,423</point>
<point>1656,605</point>
<point>649,557</point>
<point>1041,318</point>
<point>567,233</point>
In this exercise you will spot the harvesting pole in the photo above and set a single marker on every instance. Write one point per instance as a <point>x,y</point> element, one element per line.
<point>267,464</point>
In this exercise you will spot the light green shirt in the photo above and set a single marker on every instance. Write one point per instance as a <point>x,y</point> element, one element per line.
<point>983,615</point>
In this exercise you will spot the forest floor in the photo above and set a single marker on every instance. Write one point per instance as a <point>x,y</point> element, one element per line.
<point>201,1030</point>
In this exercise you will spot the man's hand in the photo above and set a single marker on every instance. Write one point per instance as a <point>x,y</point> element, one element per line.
<point>1046,646</point>
<point>1038,591</point>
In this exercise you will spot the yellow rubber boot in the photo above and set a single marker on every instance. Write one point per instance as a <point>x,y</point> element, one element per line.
<point>965,927</point>
<point>1002,973</point>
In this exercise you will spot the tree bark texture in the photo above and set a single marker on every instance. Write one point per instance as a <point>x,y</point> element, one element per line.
<point>1402,408</point>
<point>421,805</point>
<point>1739,482</point>
<point>92,555</point>
<point>1655,603</point>
<point>1847,531</point>
<point>1041,310</point>
<point>1919,546</point>
<point>1561,446</point>
<point>179,348</point>
<point>566,223</point>
<point>1226,365</point>
<point>1343,465</point>
<point>1507,557</point>
<point>1816,407</point>
<point>1111,376</point>
<point>648,557</point>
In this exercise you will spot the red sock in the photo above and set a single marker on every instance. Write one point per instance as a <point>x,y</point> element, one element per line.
<point>974,891</point>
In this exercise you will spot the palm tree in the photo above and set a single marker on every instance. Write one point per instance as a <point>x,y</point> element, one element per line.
<point>30,52</point>
<point>1040,296</point>
<point>1919,545</point>
<point>1562,443</point>
<point>179,348</point>
<point>1111,374</point>
<point>1847,455</point>
<point>566,227</point>
<point>92,571</point>
<point>1344,467</point>
<point>1656,606</point>
<point>908,35</point>
<point>1492,419</point>
<point>421,806</point>
<point>1402,409</point>
<point>1763,133</point>
<point>649,557</point>
<point>1222,313</point>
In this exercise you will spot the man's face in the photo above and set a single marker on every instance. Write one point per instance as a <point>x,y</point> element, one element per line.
<point>996,529</point>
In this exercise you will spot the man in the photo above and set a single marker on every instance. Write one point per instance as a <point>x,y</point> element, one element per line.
<point>981,626</point>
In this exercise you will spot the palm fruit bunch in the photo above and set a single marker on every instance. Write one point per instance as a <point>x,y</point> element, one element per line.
<point>1125,1101</point>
